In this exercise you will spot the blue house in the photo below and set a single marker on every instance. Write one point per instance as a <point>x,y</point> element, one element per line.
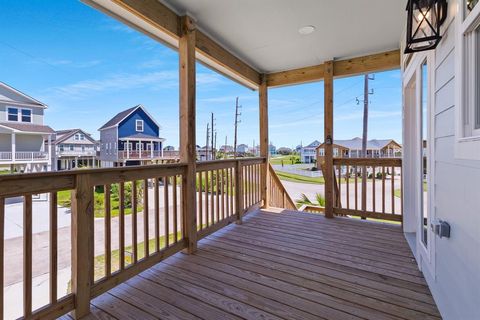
<point>130,138</point>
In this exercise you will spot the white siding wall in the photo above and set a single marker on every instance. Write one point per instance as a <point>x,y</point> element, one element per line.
<point>456,282</point>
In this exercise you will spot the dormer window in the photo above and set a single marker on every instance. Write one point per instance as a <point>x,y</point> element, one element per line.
<point>12,114</point>
<point>139,125</point>
<point>79,136</point>
<point>19,115</point>
<point>26,115</point>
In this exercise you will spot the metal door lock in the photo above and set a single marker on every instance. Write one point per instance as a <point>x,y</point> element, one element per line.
<point>440,228</point>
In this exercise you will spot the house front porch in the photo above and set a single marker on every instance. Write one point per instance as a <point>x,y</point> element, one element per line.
<point>281,264</point>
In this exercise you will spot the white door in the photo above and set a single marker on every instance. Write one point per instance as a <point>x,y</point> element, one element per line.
<point>417,158</point>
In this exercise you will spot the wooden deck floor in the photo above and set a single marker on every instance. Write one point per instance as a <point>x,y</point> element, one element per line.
<point>281,266</point>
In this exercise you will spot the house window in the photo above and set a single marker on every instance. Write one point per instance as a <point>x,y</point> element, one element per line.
<point>71,147</point>
<point>62,148</point>
<point>468,75</point>
<point>26,115</point>
<point>12,114</point>
<point>139,125</point>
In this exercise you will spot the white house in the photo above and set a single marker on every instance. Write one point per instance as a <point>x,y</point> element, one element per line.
<point>308,153</point>
<point>24,139</point>
<point>74,148</point>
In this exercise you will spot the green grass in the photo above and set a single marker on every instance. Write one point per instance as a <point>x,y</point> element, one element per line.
<point>299,178</point>
<point>64,200</point>
<point>287,160</point>
<point>99,261</point>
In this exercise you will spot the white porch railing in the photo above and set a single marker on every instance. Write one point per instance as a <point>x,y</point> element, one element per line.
<point>77,153</point>
<point>24,156</point>
<point>135,154</point>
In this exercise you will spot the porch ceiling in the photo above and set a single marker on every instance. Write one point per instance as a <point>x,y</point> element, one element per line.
<point>244,39</point>
<point>265,34</point>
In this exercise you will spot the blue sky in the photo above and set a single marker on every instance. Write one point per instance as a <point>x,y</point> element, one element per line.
<point>87,67</point>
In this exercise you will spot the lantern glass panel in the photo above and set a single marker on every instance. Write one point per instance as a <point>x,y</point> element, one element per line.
<point>469,5</point>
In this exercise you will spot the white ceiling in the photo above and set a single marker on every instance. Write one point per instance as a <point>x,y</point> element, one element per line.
<point>264,33</point>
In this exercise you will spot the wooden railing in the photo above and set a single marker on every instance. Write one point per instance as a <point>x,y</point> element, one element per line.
<point>278,195</point>
<point>378,196</point>
<point>226,189</point>
<point>312,209</point>
<point>124,220</point>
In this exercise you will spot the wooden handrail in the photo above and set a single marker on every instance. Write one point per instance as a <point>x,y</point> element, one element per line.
<point>233,188</point>
<point>374,169</point>
<point>279,196</point>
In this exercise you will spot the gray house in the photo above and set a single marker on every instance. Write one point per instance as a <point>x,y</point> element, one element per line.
<point>74,148</point>
<point>25,142</point>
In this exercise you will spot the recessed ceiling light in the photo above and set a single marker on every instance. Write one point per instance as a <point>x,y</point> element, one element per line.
<point>306,30</point>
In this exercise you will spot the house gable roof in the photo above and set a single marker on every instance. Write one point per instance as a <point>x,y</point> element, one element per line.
<point>27,127</point>
<point>10,95</point>
<point>119,117</point>
<point>63,135</point>
<point>356,144</point>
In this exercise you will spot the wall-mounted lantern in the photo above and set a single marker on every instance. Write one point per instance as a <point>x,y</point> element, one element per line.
<point>423,25</point>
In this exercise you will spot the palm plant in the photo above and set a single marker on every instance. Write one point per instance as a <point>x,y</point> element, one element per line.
<point>304,200</point>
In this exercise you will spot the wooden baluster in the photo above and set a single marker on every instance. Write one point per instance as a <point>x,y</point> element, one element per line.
<point>232,191</point>
<point>212,199</point>
<point>222,193</point>
<point>356,188</point>
<point>217,201</point>
<point>383,189</point>
<point>53,247</point>
<point>245,187</point>
<point>134,221</point>
<point>156,199</point>
<point>401,192</point>
<point>175,213</point>
<point>107,224</point>
<point>82,244</point>
<point>27,256</point>
<point>339,204</point>
<point>393,189</point>
<point>207,208</point>
<point>200,201</point>
<point>348,186</point>
<point>167,211</point>
<point>252,187</point>
<point>146,221</point>
<point>373,188</point>
<point>227,191</point>
<point>2,252</point>
<point>121,225</point>
<point>239,191</point>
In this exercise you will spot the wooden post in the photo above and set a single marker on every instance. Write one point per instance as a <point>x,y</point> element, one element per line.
<point>328,134</point>
<point>82,244</point>
<point>239,191</point>
<point>187,129</point>
<point>263,101</point>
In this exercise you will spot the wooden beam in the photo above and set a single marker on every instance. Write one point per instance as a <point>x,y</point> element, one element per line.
<point>167,22</point>
<point>214,51</point>
<point>296,76</point>
<point>263,106</point>
<point>187,129</point>
<point>372,63</point>
<point>342,68</point>
<point>155,13</point>
<point>328,136</point>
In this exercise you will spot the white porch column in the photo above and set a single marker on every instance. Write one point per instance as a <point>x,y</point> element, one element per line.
<point>14,147</point>
<point>151,149</point>
<point>160,146</point>
<point>49,156</point>
<point>128,148</point>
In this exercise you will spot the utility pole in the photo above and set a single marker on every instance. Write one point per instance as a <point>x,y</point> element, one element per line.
<point>208,137</point>
<point>212,144</point>
<point>237,121</point>
<point>225,150</point>
<point>366,93</point>
<point>215,147</point>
